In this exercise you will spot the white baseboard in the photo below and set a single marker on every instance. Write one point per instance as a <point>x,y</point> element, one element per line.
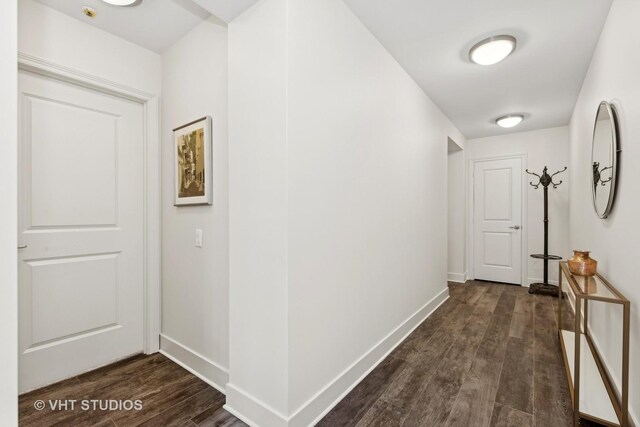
<point>256,413</point>
<point>457,277</point>
<point>319,405</point>
<point>252,410</point>
<point>205,369</point>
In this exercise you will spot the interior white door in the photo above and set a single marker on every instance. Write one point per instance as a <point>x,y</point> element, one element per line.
<point>81,229</point>
<point>497,220</point>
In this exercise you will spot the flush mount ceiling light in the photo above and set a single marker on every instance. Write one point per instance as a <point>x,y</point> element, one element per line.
<point>121,2</point>
<point>492,50</point>
<point>509,121</point>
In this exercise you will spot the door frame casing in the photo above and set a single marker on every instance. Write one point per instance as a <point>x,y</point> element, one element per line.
<point>524,269</point>
<point>8,217</point>
<point>151,187</point>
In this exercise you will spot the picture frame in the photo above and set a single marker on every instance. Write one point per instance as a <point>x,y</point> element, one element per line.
<point>193,163</point>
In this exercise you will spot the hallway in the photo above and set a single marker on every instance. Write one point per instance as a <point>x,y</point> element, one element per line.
<point>488,356</point>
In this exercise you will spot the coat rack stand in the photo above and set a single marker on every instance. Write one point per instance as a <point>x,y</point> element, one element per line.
<point>545,180</point>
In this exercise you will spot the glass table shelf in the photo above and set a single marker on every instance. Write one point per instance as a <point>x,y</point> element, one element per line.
<point>595,287</point>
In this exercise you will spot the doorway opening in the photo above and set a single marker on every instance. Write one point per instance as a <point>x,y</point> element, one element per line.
<point>456,213</point>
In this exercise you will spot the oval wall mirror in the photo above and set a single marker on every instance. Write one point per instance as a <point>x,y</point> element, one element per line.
<point>604,158</point>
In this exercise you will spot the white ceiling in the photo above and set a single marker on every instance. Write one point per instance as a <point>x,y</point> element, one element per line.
<point>542,78</point>
<point>431,40</point>
<point>154,24</point>
<point>226,10</point>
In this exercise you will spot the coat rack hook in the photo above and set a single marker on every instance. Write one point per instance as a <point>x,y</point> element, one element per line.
<point>531,182</point>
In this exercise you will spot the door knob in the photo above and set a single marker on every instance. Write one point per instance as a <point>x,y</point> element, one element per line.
<point>22,247</point>
<point>515,227</point>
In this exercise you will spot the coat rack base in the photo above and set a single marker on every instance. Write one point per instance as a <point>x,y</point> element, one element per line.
<point>543,289</point>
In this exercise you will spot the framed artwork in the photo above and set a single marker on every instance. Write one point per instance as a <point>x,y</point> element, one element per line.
<point>192,150</point>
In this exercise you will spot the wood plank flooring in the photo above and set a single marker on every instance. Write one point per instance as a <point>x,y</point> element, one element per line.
<point>170,396</point>
<point>489,356</point>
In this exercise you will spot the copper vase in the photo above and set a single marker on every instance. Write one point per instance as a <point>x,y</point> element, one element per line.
<point>582,265</point>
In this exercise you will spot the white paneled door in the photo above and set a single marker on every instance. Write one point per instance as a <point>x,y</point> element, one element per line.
<point>81,229</point>
<point>497,220</point>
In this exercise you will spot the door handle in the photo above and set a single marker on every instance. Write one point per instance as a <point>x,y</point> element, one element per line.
<point>22,247</point>
<point>515,227</point>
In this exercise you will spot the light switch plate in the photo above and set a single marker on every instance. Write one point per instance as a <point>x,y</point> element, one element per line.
<point>198,237</point>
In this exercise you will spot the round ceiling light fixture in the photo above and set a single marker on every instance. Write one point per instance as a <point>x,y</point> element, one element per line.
<point>492,50</point>
<point>510,120</point>
<point>121,2</point>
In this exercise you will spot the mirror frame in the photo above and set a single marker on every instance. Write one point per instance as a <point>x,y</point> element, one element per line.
<point>615,138</point>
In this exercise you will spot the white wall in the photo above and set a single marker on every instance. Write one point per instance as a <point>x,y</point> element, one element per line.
<point>258,210</point>
<point>8,217</point>
<point>614,242</point>
<point>195,281</point>
<point>546,147</point>
<point>456,216</point>
<point>48,34</point>
<point>366,237</point>
<point>335,241</point>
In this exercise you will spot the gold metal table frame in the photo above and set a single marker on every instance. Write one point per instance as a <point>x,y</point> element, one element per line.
<point>585,290</point>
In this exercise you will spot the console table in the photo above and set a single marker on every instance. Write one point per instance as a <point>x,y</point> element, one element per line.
<point>593,394</point>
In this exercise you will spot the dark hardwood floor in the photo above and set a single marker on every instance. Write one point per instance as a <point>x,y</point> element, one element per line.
<point>169,395</point>
<point>489,356</point>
